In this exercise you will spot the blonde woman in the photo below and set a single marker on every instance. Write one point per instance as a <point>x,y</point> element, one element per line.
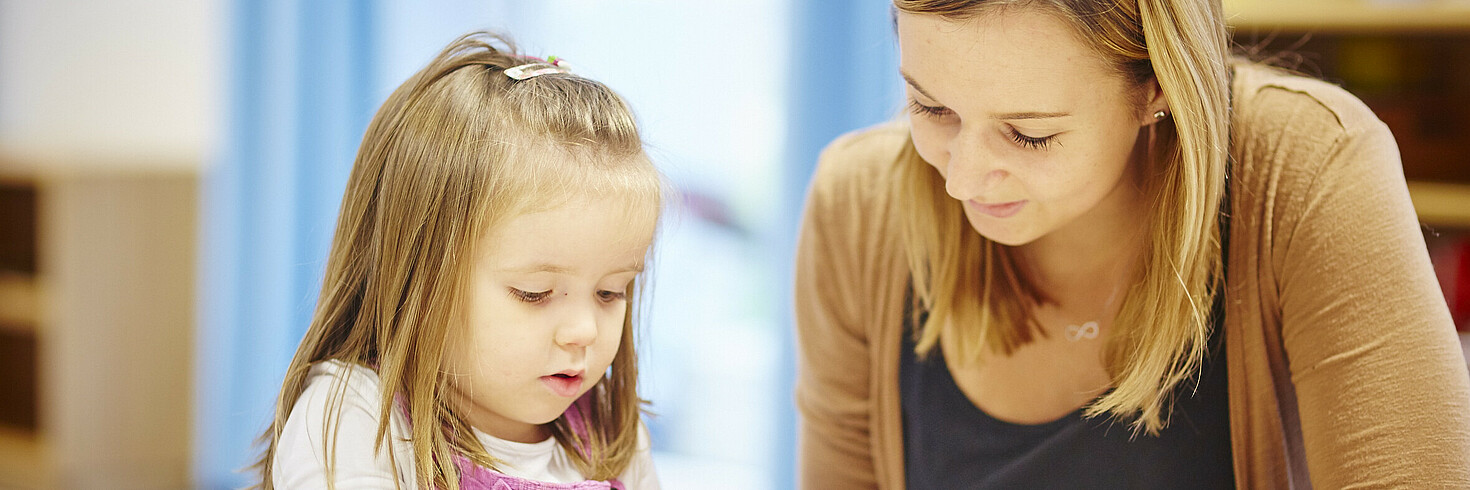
<point>1101,253</point>
<point>475,325</point>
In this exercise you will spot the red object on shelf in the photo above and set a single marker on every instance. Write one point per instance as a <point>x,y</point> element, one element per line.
<point>1451,258</point>
<point>1458,295</point>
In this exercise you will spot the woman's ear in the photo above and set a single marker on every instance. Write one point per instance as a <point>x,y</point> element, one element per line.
<point>1155,107</point>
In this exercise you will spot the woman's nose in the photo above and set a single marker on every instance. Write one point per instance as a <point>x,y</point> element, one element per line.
<point>972,171</point>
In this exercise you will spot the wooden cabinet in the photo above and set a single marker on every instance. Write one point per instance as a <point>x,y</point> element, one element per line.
<point>1349,16</point>
<point>96,325</point>
<point>20,307</point>
<point>1408,60</point>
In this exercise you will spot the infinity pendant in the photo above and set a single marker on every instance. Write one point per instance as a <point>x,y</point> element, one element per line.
<point>1084,331</point>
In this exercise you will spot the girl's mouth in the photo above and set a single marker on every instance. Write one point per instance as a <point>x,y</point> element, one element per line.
<point>566,385</point>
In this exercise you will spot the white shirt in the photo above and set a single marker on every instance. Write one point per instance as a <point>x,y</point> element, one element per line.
<point>300,460</point>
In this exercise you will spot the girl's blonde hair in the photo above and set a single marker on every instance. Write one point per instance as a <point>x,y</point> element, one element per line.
<point>1161,334</point>
<point>457,149</point>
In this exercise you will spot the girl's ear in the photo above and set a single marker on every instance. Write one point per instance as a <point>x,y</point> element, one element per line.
<point>1155,108</point>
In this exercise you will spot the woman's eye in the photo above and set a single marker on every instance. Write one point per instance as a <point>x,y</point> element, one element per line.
<point>530,297</point>
<point>1031,142</point>
<point>928,110</point>
<point>611,296</point>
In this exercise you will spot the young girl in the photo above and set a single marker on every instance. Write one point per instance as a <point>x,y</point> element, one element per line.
<point>475,325</point>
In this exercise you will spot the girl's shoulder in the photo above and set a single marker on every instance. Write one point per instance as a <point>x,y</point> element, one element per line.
<point>337,414</point>
<point>361,381</point>
<point>350,387</point>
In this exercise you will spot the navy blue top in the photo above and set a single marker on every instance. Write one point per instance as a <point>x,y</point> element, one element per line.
<point>949,443</point>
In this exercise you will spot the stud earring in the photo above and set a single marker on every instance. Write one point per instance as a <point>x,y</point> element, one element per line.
<point>1160,115</point>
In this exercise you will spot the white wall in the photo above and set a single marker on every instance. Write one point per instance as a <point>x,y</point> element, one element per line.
<point>112,109</point>
<point>101,82</point>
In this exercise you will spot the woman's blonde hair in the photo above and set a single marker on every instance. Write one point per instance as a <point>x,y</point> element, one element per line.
<point>1161,333</point>
<point>455,150</point>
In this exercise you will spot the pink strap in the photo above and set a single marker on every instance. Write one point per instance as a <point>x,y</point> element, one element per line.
<point>476,477</point>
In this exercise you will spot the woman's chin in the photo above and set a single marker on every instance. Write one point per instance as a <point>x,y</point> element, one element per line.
<point>1007,237</point>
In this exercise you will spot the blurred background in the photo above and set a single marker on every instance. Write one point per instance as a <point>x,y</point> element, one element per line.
<point>170,172</point>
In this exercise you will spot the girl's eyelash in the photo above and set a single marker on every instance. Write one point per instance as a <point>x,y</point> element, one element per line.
<point>928,110</point>
<point>611,296</point>
<point>530,297</point>
<point>1030,142</point>
<point>541,296</point>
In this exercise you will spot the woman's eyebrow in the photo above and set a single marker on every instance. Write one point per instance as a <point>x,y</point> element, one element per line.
<point>1009,116</point>
<point>915,85</point>
<point>1029,115</point>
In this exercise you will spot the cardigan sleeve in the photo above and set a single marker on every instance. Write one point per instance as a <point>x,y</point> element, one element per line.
<point>1381,383</point>
<point>833,373</point>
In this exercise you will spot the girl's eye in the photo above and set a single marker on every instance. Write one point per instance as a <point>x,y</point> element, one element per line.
<point>1030,142</point>
<point>611,296</point>
<point>928,110</point>
<point>530,297</point>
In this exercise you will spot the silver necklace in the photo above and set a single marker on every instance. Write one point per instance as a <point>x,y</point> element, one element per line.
<point>1089,330</point>
<point>1086,330</point>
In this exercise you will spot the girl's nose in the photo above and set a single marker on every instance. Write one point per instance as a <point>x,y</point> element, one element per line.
<point>578,329</point>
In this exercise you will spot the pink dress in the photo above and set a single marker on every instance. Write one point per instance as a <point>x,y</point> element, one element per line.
<point>476,477</point>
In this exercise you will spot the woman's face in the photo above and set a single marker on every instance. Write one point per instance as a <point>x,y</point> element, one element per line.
<point>1029,126</point>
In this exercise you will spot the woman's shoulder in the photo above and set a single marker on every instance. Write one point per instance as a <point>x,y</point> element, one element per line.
<point>874,141</point>
<point>861,156</point>
<point>1271,97</point>
<point>1291,119</point>
<point>851,186</point>
<point>1288,131</point>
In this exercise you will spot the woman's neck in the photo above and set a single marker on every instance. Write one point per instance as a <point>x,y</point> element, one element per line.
<point>1093,259</point>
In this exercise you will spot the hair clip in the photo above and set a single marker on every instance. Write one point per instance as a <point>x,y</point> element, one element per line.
<point>538,67</point>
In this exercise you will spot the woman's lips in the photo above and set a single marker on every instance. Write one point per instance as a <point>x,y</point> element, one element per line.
<point>1000,210</point>
<point>564,385</point>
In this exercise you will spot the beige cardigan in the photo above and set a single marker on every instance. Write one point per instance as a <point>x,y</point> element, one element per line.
<point>1343,362</point>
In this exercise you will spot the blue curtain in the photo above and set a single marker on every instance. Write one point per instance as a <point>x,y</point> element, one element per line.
<point>299,101</point>
<point>844,77</point>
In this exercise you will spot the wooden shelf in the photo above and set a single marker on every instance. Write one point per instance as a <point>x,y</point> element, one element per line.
<point>20,302</point>
<point>1441,204</point>
<point>1349,15</point>
<point>23,462</point>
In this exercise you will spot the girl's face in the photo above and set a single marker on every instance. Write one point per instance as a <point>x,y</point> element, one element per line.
<point>545,313</point>
<point>1028,125</point>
